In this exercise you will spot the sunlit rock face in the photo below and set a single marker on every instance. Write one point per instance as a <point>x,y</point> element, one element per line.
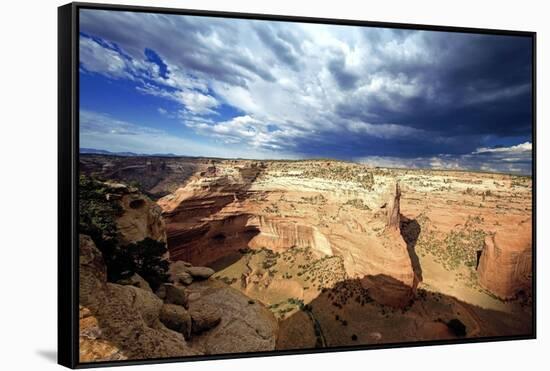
<point>390,276</point>
<point>253,206</point>
<point>139,218</point>
<point>308,249</point>
<point>505,265</point>
<point>118,321</point>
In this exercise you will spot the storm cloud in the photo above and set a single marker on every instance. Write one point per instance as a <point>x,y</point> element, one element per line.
<point>311,90</point>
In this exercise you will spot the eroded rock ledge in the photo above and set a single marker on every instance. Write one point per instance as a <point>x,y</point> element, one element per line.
<point>127,320</point>
<point>120,322</point>
<point>230,208</point>
<point>505,265</point>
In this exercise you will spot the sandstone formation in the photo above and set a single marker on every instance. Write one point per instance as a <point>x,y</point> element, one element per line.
<point>389,276</point>
<point>92,346</point>
<point>204,317</point>
<point>243,327</point>
<point>140,217</point>
<point>393,211</point>
<point>125,322</point>
<point>120,322</point>
<point>157,176</point>
<point>176,318</point>
<point>321,246</point>
<point>137,281</point>
<point>231,208</point>
<point>505,265</point>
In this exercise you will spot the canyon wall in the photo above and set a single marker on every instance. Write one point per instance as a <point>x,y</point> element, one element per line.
<point>224,211</point>
<point>188,314</point>
<point>389,273</point>
<point>505,264</point>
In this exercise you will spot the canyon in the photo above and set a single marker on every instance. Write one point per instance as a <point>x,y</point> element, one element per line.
<point>322,253</point>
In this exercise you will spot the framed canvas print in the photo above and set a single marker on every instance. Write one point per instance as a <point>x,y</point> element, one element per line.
<point>237,185</point>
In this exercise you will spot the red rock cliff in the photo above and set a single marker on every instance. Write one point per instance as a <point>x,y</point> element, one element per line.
<point>505,265</point>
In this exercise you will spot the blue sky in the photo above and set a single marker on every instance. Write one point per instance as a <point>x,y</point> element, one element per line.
<point>203,86</point>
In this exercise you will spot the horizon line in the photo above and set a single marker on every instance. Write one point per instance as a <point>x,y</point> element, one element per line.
<point>103,152</point>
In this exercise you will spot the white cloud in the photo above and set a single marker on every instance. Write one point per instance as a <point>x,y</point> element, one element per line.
<point>312,82</point>
<point>103,131</point>
<point>514,159</point>
<point>294,90</point>
<point>241,129</point>
<point>196,102</point>
<point>97,58</point>
<point>523,147</point>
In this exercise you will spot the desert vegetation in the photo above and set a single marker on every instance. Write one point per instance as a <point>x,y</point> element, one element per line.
<point>345,253</point>
<point>98,208</point>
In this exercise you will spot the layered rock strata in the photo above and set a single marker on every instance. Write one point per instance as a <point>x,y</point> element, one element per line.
<point>505,264</point>
<point>230,209</point>
<point>389,276</point>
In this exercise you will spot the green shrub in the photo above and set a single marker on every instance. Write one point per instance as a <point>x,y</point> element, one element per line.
<point>98,209</point>
<point>144,258</point>
<point>96,213</point>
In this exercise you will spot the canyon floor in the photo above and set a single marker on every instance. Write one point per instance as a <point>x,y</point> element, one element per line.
<point>345,254</point>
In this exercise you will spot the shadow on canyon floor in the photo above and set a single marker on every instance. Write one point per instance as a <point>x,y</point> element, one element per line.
<point>410,230</point>
<point>194,236</point>
<point>346,315</point>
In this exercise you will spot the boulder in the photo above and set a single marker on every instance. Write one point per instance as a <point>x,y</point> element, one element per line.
<point>120,322</point>
<point>184,278</point>
<point>176,268</point>
<point>176,295</point>
<point>200,272</point>
<point>137,281</point>
<point>176,318</point>
<point>242,328</point>
<point>144,302</point>
<point>204,317</point>
<point>161,292</point>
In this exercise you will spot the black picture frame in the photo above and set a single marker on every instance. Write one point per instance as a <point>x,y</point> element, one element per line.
<point>68,160</point>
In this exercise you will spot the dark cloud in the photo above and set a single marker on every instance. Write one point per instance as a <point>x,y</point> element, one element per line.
<point>469,85</point>
<point>331,91</point>
<point>281,44</point>
<point>189,42</point>
<point>345,79</point>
